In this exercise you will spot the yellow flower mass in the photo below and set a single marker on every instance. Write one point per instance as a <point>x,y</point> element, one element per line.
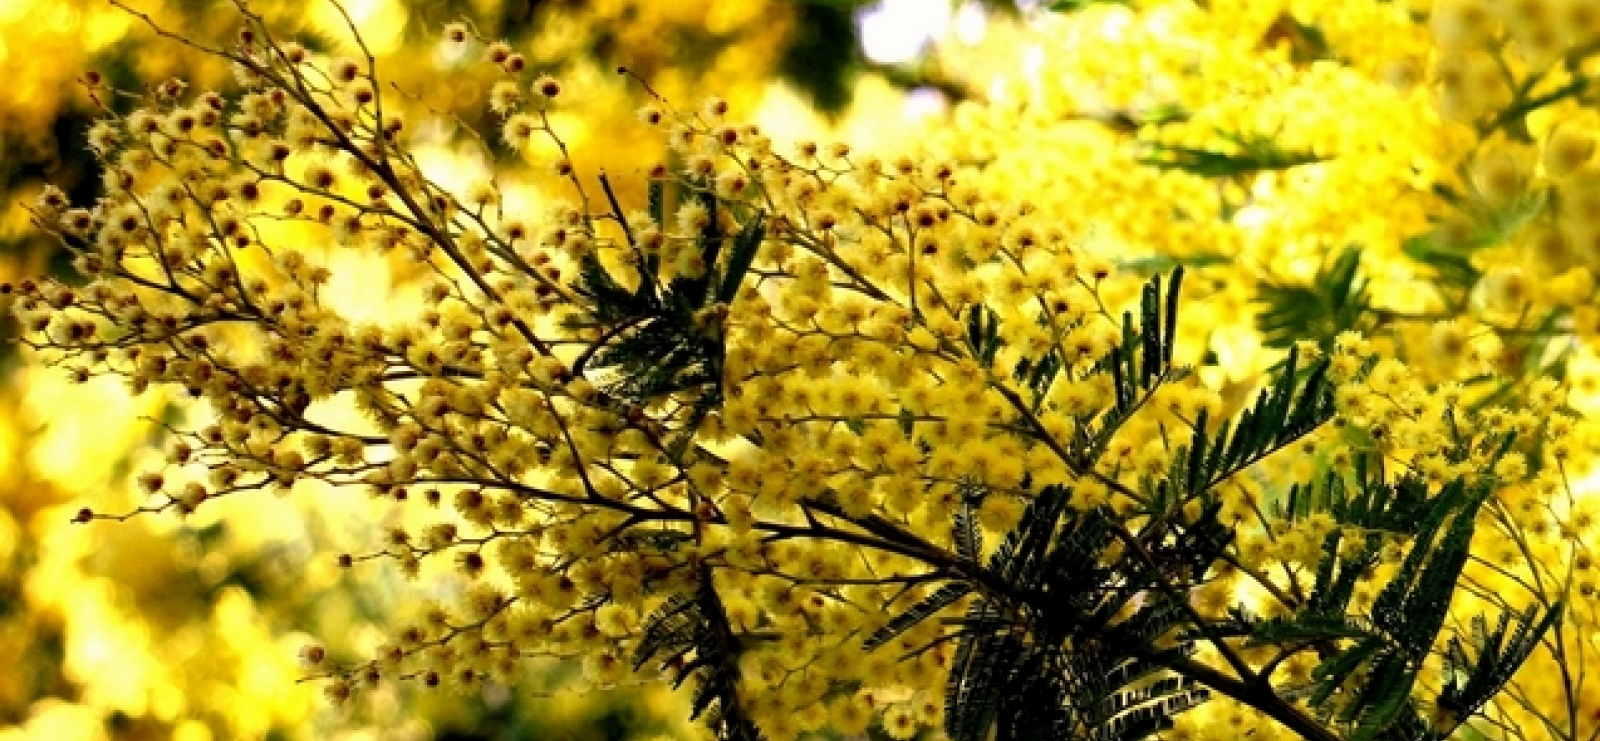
<point>1211,366</point>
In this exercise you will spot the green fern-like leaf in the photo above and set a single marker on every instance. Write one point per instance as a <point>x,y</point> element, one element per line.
<point>1073,6</point>
<point>1142,713</point>
<point>656,200</point>
<point>1250,154</point>
<point>1338,575</point>
<point>1142,360</point>
<point>1400,602</point>
<point>1476,679</point>
<point>1286,411</point>
<point>1310,628</point>
<point>612,303</point>
<point>660,341</point>
<point>692,635</point>
<point>1336,301</point>
<point>1038,375</point>
<point>1070,660</point>
<point>1371,503</point>
<point>983,333</point>
<point>929,606</point>
<point>741,257</point>
<point>1407,617</point>
<point>966,534</point>
<point>978,675</point>
<point>1017,557</point>
<point>1383,699</point>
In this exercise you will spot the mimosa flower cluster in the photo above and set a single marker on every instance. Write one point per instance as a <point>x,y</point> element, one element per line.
<point>791,424</point>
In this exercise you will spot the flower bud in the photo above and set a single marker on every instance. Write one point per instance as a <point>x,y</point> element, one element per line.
<point>1500,175</point>
<point>312,656</point>
<point>1461,23</point>
<point>1567,149</point>
<point>1506,289</point>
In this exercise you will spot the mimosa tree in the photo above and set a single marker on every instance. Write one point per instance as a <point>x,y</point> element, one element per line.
<point>838,440</point>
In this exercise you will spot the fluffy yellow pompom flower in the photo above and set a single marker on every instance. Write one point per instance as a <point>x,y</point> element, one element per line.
<point>900,722</point>
<point>1567,149</point>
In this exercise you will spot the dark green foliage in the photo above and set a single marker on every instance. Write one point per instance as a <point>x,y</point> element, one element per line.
<point>1075,644</point>
<point>1337,577</point>
<point>1472,681</point>
<point>1073,6</point>
<point>691,631</point>
<point>1409,613</point>
<point>654,347</point>
<point>1038,374</point>
<point>1412,606</point>
<point>663,340</point>
<point>1079,624</point>
<point>1142,361</point>
<point>1050,659</point>
<point>983,333</point>
<point>1255,154</point>
<point>1287,410</point>
<point>740,259</point>
<point>1452,268</point>
<point>929,606</point>
<point>1306,43</point>
<point>1335,301</point>
<point>650,540</point>
<point>1371,503</point>
<point>1310,627</point>
<point>1324,616</point>
<point>966,534</point>
<point>1193,546</point>
<point>1054,644</point>
<point>1156,332</point>
<point>656,200</point>
<point>979,672</point>
<point>1138,364</point>
<point>821,57</point>
<point>1407,616</point>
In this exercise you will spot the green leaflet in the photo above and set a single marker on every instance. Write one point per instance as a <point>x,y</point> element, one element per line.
<point>1253,153</point>
<point>1141,362</point>
<point>1164,263</point>
<point>662,340</point>
<point>1474,680</point>
<point>1073,6</point>
<point>1053,660</point>
<point>1408,615</point>
<point>983,333</point>
<point>1370,502</point>
<point>928,607</point>
<point>1287,410</point>
<point>1336,301</point>
<point>691,631</point>
<point>1448,249</point>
